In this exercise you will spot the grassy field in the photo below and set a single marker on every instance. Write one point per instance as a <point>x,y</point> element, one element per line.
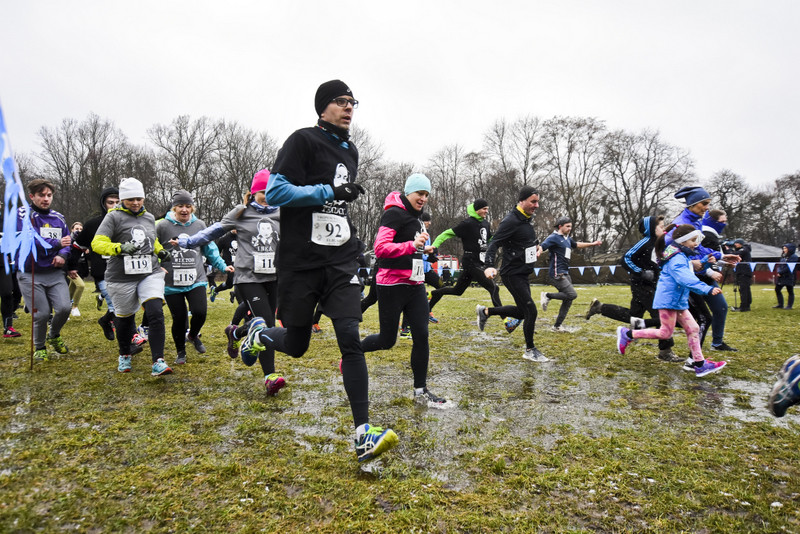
<point>590,442</point>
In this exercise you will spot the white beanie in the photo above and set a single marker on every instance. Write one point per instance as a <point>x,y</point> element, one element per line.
<point>130,188</point>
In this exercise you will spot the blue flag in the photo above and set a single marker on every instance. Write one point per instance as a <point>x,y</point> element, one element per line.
<point>13,242</point>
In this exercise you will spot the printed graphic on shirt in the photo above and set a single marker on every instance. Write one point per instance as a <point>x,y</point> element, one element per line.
<point>139,237</point>
<point>265,244</point>
<point>329,227</point>
<point>184,261</point>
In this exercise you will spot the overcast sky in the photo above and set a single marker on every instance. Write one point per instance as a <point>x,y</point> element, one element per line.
<point>719,78</point>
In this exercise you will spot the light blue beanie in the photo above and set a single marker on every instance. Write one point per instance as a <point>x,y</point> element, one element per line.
<point>417,182</point>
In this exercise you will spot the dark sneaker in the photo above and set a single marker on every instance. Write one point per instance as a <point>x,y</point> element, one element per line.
<point>58,345</point>
<point>405,333</point>
<point>511,324</point>
<point>274,383</point>
<point>594,308</point>
<point>429,399</point>
<point>723,347</point>
<point>374,442</point>
<point>108,328</point>
<point>535,355</point>
<point>688,364</point>
<point>99,302</point>
<point>181,359</point>
<point>482,317</point>
<point>785,392</point>
<point>212,293</point>
<point>233,343</point>
<point>9,331</point>
<point>251,345</point>
<point>160,367</point>
<point>709,367</point>
<point>623,339</point>
<point>637,323</point>
<point>198,344</point>
<point>666,355</point>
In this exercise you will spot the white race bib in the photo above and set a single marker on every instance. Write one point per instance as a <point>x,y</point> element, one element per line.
<point>264,262</point>
<point>417,271</point>
<point>530,254</point>
<point>568,253</point>
<point>138,264</point>
<point>184,277</point>
<point>50,232</point>
<point>329,230</point>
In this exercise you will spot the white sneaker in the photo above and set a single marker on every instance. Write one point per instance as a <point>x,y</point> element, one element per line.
<point>543,300</point>
<point>688,365</point>
<point>535,355</point>
<point>637,323</point>
<point>75,312</point>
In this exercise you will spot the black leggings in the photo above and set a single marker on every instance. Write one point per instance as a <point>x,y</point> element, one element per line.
<point>196,298</point>
<point>641,301</point>
<point>520,288</point>
<point>470,272</point>
<point>126,327</point>
<point>261,299</point>
<point>7,304</point>
<point>433,280</point>
<point>294,340</point>
<point>413,303</point>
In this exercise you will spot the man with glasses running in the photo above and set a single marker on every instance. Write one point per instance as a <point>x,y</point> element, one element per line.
<point>312,180</point>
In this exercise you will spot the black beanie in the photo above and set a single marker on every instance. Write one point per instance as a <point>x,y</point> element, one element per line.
<point>105,193</point>
<point>327,92</point>
<point>526,192</point>
<point>479,204</point>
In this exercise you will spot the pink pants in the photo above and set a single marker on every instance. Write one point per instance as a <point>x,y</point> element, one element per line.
<point>668,319</point>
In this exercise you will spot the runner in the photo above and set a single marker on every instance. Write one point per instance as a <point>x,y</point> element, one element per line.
<point>76,274</point>
<point>186,279</point>
<point>520,249</point>
<point>134,277</point>
<point>399,246</point>
<point>431,276</point>
<point>257,226</point>
<point>43,279</point>
<point>313,180</point>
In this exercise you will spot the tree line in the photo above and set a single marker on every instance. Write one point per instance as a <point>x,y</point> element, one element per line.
<point>605,180</point>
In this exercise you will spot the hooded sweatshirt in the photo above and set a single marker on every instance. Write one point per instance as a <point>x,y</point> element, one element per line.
<point>641,256</point>
<point>787,273</point>
<point>186,271</point>
<point>97,263</point>
<point>474,234</point>
<point>399,261</point>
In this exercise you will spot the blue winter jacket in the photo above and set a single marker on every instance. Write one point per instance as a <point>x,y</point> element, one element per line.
<point>676,280</point>
<point>786,275</point>
<point>687,217</point>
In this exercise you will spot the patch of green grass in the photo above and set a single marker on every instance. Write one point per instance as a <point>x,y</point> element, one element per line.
<point>591,441</point>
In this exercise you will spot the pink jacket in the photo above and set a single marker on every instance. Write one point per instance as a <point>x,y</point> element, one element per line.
<point>385,247</point>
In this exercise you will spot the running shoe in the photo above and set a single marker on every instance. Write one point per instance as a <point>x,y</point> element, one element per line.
<point>58,345</point>
<point>544,300</point>
<point>198,344</point>
<point>785,392</point>
<point>181,359</point>
<point>637,323</point>
<point>274,383</point>
<point>75,312</point>
<point>233,343</point>
<point>708,367</point>
<point>124,365</point>
<point>723,347</point>
<point>107,326</point>
<point>432,319</point>
<point>374,442</point>
<point>594,308</point>
<point>623,339</point>
<point>160,367</point>
<point>9,331</point>
<point>315,329</point>
<point>482,317</point>
<point>688,364</point>
<point>535,355</point>
<point>251,345</point>
<point>429,399</point>
<point>212,293</point>
<point>405,333</point>
<point>99,302</point>
<point>41,355</point>
<point>138,340</point>
<point>666,355</point>
<point>511,324</point>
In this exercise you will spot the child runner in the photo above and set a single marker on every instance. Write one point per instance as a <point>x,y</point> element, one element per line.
<point>400,281</point>
<point>133,276</point>
<point>672,297</point>
<point>257,226</point>
<point>186,279</point>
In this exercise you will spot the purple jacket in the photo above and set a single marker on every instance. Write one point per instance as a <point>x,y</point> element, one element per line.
<point>51,226</point>
<point>687,217</point>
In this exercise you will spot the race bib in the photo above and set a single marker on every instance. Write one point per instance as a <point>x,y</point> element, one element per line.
<point>50,232</point>
<point>264,262</point>
<point>530,254</point>
<point>139,264</point>
<point>184,277</point>
<point>417,271</point>
<point>329,230</point>
<point>568,253</point>
<point>482,256</point>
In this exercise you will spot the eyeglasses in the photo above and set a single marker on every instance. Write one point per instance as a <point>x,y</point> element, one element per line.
<point>342,102</point>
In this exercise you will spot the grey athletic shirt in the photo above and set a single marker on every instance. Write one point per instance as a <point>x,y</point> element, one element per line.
<point>121,226</point>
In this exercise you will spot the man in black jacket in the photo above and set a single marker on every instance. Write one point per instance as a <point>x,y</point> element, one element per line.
<point>744,274</point>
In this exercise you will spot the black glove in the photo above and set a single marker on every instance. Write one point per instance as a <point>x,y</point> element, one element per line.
<point>128,248</point>
<point>347,192</point>
<point>648,276</point>
<point>164,256</point>
<point>432,258</point>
